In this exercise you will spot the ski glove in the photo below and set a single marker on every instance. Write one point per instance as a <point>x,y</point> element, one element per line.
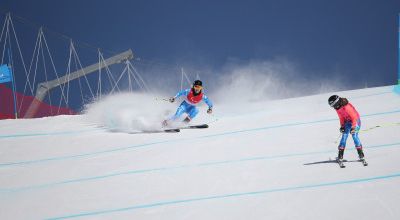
<point>209,110</point>
<point>172,99</point>
<point>353,131</point>
<point>341,129</point>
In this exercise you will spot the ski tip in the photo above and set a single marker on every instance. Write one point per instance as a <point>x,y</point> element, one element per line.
<point>364,162</point>
<point>199,126</point>
<point>173,130</point>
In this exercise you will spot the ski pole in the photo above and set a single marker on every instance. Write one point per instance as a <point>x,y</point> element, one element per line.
<point>162,99</point>
<point>214,119</point>
<point>381,126</point>
<point>338,138</point>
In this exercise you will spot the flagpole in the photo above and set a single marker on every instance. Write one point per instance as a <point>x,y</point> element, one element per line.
<point>13,85</point>
<point>14,95</point>
<point>397,87</point>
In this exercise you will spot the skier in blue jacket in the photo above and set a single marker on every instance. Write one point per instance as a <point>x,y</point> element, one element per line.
<point>192,98</point>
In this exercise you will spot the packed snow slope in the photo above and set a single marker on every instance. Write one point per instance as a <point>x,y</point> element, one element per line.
<point>265,160</point>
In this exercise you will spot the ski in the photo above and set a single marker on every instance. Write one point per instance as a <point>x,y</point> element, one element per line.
<point>178,129</point>
<point>195,126</point>
<point>172,130</point>
<point>340,162</point>
<point>169,130</point>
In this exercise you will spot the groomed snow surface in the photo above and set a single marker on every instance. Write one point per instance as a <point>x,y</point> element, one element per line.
<point>265,160</point>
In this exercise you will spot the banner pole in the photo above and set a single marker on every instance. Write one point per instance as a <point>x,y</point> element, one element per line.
<point>13,85</point>
<point>398,55</point>
<point>397,87</point>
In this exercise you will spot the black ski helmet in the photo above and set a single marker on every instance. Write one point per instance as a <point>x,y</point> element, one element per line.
<point>334,101</point>
<point>198,83</point>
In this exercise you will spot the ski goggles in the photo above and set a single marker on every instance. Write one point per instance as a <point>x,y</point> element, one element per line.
<point>335,103</point>
<point>197,87</point>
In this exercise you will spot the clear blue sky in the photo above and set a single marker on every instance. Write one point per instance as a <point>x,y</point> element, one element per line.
<point>354,38</point>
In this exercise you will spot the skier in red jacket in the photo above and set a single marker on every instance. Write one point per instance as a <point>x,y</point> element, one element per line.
<point>350,123</point>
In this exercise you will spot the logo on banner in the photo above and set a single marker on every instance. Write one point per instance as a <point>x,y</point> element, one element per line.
<point>5,74</point>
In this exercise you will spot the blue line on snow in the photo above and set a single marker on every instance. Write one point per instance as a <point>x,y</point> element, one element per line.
<point>177,140</point>
<point>160,169</point>
<point>253,193</point>
<point>79,155</point>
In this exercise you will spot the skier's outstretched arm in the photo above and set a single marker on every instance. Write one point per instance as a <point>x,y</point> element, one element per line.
<point>182,93</point>
<point>179,94</point>
<point>208,101</point>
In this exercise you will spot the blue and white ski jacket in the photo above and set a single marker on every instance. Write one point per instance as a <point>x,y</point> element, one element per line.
<point>193,100</point>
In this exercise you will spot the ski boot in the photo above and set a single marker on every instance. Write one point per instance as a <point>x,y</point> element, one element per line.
<point>360,153</point>
<point>361,156</point>
<point>164,123</point>
<point>186,120</point>
<point>340,155</point>
<point>339,159</point>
